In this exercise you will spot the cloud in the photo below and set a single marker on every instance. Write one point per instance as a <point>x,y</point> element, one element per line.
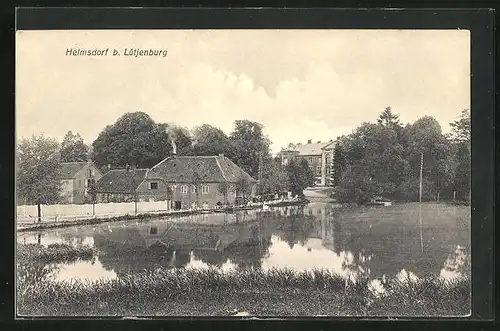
<point>299,84</point>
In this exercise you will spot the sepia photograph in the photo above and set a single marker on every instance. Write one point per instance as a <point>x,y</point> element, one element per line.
<point>244,173</point>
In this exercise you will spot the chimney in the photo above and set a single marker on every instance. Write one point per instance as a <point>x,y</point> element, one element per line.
<point>174,147</point>
<point>109,166</point>
<point>309,141</point>
<point>319,141</point>
<point>127,167</point>
<point>221,154</point>
<point>171,136</point>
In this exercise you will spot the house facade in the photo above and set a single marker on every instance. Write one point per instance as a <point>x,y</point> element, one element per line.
<point>125,185</point>
<point>318,155</point>
<point>76,178</point>
<point>204,181</point>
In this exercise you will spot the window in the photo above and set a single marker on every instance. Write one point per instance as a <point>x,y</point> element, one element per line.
<point>310,160</point>
<point>184,189</point>
<point>193,189</point>
<point>172,187</point>
<point>153,230</point>
<point>318,169</point>
<point>91,173</point>
<point>204,189</point>
<point>153,186</point>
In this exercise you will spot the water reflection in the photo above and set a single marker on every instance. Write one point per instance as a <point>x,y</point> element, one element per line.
<point>378,243</point>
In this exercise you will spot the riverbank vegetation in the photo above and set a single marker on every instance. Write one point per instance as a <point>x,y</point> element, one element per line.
<point>53,253</point>
<point>214,292</point>
<point>384,159</point>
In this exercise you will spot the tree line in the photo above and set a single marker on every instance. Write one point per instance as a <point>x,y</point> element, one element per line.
<point>384,159</point>
<point>135,140</point>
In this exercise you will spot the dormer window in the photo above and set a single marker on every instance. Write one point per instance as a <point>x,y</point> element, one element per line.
<point>153,185</point>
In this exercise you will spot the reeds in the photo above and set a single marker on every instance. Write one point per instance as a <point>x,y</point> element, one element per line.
<point>54,253</point>
<point>309,292</point>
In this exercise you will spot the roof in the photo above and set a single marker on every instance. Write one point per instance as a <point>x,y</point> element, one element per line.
<point>123,180</point>
<point>69,170</point>
<point>308,149</point>
<point>210,169</point>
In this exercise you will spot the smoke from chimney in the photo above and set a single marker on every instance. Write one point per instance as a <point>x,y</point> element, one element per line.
<point>171,136</point>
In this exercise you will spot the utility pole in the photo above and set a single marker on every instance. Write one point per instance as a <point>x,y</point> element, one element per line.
<point>421,167</point>
<point>259,188</point>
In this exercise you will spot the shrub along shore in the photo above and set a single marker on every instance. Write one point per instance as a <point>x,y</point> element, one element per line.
<point>211,292</point>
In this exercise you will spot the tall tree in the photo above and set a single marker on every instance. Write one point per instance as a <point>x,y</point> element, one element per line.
<point>338,164</point>
<point>300,176</point>
<point>38,165</point>
<point>389,118</point>
<point>274,177</point>
<point>250,144</point>
<point>73,149</point>
<point>461,129</point>
<point>134,139</point>
<point>209,140</point>
<point>461,138</point>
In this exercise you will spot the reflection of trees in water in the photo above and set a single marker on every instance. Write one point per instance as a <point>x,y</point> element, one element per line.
<point>296,229</point>
<point>392,247</point>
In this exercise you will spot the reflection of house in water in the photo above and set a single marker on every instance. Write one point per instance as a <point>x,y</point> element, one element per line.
<point>163,244</point>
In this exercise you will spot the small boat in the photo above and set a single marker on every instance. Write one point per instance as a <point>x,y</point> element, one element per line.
<point>265,207</point>
<point>380,202</point>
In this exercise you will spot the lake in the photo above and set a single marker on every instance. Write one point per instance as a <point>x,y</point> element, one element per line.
<point>404,240</point>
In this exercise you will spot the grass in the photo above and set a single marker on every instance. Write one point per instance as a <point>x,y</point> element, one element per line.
<point>276,292</point>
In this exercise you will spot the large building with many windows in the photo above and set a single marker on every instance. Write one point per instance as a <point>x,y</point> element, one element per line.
<point>204,181</point>
<point>318,155</point>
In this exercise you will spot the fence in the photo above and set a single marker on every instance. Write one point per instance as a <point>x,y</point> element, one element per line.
<point>28,213</point>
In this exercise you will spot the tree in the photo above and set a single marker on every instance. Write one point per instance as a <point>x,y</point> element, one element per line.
<point>389,118</point>
<point>274,177</point>
<point>461,139</point>
<point>93,194</point>
<point>196,181</point>
<point>224,188</point>
<point>243,187</point>
<point>462,175</point>
<point>38,166</point>
<point>300,176</point>
<point>250,145</point>
<point>73,149</point>
<point>425,137</point>
<point>460,129</point>
<point>338,164</point>
<point>209,140</point>
<point>134,139</point>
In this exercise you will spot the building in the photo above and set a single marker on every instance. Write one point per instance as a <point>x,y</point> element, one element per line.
<point>124,185</point>
<point>76,178</point>
<point>205,181</point>
<point>318,155</point>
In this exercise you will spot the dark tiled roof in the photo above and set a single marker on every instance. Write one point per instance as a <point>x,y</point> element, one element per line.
<point>210,169</point>
<point>121,180</point>
<point>70,169</point>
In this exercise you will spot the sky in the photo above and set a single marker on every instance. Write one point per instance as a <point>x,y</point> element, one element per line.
<point>300,84</point>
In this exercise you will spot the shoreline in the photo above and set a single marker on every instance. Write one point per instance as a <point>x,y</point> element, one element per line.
<point>147,216</point>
